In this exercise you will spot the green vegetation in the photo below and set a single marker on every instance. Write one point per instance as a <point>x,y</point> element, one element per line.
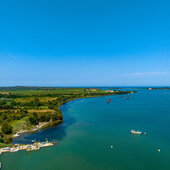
<point>23,108</point>
<point>6,128</point>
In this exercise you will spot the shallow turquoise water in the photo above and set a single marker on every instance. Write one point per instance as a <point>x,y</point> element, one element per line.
<point>91,126</point>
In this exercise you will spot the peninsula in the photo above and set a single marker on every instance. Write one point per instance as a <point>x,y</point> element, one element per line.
<point>28,109</point>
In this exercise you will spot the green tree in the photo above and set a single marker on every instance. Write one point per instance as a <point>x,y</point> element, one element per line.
<point>33,118</point>
<point>54,117</point>
<point>45,117</point>
<point>37,102</point>
<point>6,128</point>
<point>1,137</point>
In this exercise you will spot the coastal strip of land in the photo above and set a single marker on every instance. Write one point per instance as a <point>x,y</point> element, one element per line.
<point>28,109</point>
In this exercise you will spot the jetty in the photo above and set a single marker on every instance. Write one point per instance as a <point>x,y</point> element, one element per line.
<point>26,147</point>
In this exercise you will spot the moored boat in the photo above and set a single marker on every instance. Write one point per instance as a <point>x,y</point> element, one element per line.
<point>135,132</point>
<point>109,100</point>
<point>14,150</point>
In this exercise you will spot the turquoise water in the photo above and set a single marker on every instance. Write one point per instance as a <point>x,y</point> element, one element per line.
<point>91,126</point>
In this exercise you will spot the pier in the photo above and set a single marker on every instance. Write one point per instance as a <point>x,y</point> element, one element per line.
<point>27,147</point>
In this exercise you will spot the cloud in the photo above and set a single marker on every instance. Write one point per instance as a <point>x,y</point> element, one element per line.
<point>162,73</point>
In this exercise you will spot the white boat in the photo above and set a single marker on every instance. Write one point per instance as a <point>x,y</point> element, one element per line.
<point>6,149</point>
<point>14,150</point>
<point>135,132</point>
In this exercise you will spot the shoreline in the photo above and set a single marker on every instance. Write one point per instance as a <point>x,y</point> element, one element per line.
<point>45,125</point>
<point>37,128</point>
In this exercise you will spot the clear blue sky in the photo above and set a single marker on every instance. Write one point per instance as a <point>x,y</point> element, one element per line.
<point>84,42</point>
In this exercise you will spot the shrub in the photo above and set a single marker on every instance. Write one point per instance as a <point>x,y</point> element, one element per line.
<point>54,117</point>
<point>6,128</point>
<point>33,118</point>
<point>45,117</point>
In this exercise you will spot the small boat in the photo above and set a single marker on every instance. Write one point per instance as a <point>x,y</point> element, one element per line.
<point>6,149</point>
<point>14,150</point>
<point>135,132</point>
<point>28,148</point>
<point>109,100</point>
